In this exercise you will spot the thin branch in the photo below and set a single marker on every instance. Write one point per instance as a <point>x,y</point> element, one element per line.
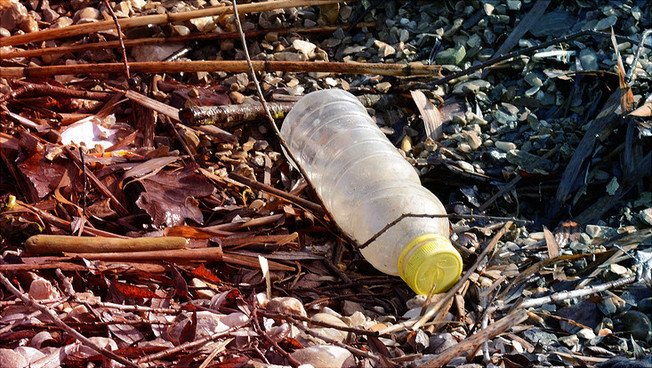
<point>122,44</point>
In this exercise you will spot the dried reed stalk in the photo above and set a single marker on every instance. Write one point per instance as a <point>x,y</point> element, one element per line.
<point>79,29</point>
<point>237,66</point>
<point>160,40</point>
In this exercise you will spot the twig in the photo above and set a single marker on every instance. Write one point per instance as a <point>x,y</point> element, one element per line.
<point>641,44</point>
<point>166,40</point>
<point>30,89</point>
<point>469,343</point>
<point>293,362</point>
<point>122,44</point>
<point>79,29</point>
<point>229,66</point>
<point>313,207</point>
<point>320,323</point>
<point>564,295</point>
<point>57,321</point>
<point>188,345</point>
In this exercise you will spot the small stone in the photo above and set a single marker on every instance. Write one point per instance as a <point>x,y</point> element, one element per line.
<point>4,32</point>
<point>11,359</point>
<point>472,138</point>
<point>588,59</point>
<point>471,87</point>
<point>383,87</point>
<point>403,35</point>
<point>345,12</point>
<point>271,37</point>
<point>514,4</point>
<point>452,56</point>
<point>304,47</point>
<point>287,305</point>
<point>13,14</point>
<point>465,166</point>
<point>606,23</point>
<point>505,146</point>
<point>41,289</point>
<point>570,341</point>
<point>327,318</point>
<point>88,13</point>
<point>636,323</point>
<point>586,334</point>
<point>349,307</point>
<point>533,80</point>
<point>488,8</point>
<point>181,30</point>
<point>324,356</point>
<point>384,50</point>
<point>440,342</point>
<point>646,215</point>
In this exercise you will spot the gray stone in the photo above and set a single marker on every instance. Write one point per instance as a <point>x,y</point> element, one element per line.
<point>554,23</point>
<point>588,59</point>
<point>473,86</point>
<point>605,23</point>
<point>538,336</point>
<point>637,324</point>
<point>440,342</point>
<point>452,56</point>
<point>646,215</point>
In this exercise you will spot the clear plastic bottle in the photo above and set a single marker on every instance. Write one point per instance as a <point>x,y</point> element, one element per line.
<point>366,184</point>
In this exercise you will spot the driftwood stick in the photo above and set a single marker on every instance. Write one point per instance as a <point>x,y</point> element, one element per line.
<point>57,321</point>
<point>79,29</point>
<point>237,66</point>
<point>56,244</point>
<point>159,40</point>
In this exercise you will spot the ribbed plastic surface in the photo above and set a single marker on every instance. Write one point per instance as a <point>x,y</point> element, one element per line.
<point>360,176</point>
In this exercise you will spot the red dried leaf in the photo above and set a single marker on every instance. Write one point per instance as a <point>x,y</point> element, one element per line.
<point>206,274</point>
<point>132,291</point>
<point>168,196</point>
<point>43,174</point>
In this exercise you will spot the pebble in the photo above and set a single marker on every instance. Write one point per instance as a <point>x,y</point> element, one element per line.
<point>440,342</point>
<point>42,289</point>
<point>606,23</point>
<point>324,356</point>
<point>505,146</point>
<point>646,215</point>
<point>13,15</point>
<point>286,305</point>
<point>586,334</point>
<point>86,15</point>
<point>588,59</point>
<point>452,56</point>
<point>637,324</point>
<point>471,87</point>
<point>304,47</point>
<point>11,359</point>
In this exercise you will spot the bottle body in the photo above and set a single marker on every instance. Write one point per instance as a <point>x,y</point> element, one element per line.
<point>362,179</point>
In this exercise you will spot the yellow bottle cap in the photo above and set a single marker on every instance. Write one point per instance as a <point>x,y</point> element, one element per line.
<point>428,261</point>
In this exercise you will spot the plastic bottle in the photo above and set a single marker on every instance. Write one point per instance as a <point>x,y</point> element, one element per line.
<point>366,184</point>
